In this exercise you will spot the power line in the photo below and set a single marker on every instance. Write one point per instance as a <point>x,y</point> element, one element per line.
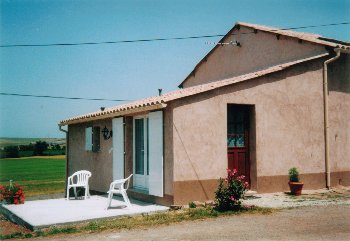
<point>160,39</point>
<point>111,42</point>
<point>60,97</point>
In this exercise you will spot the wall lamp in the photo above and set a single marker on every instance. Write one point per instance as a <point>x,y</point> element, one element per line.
<point>107,133</point>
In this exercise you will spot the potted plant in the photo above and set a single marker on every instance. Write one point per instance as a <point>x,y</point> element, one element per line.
<point>294,183</point>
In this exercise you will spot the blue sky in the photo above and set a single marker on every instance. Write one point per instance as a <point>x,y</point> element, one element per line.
<point>128,70</point>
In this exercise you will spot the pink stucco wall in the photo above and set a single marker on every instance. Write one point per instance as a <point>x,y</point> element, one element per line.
<point>288,123</point>
<point>257,51</point>
<point>98,163</point>
<point>339,115</point>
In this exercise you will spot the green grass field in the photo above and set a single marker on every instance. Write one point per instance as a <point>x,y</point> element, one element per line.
<point>37,175</point>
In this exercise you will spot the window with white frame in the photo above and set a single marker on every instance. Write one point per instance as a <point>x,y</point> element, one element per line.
<point>92,139</point>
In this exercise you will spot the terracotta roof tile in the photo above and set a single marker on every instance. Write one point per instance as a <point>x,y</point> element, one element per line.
<point>157,102</point>
<point>311,37</point>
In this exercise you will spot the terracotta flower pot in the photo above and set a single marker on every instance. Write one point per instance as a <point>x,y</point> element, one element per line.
<point>296,187</point>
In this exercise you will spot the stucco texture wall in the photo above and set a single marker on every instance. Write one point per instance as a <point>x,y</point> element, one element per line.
<point>98,163</point>
<point>339,120</point>
<point>168,152</point>
<point>101,163</point>
<point>257,51</point>
<point>286,129</point>
<point>288,124</point>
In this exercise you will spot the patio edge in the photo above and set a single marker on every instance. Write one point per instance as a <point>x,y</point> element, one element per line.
<point>14,218</point>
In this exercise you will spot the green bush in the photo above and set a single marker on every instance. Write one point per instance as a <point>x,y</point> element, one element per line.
<point>192,205</point>
<point>28,235</point>
<point>39,233</point>
<point>11,151</point>
<point>39,148</point>
<point>293,174</point>
<point>230,191</point>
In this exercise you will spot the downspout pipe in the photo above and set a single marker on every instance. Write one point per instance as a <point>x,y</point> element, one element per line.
<point>326,122</point>
<point>61,129</point>
<point>65,131</point>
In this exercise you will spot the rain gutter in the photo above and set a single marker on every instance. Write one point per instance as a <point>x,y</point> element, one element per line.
<point>338,51</point>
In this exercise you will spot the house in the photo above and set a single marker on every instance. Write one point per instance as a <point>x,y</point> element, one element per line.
<point>259,103</point>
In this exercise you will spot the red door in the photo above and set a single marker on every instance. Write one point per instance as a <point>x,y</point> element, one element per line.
<point>238,139</point>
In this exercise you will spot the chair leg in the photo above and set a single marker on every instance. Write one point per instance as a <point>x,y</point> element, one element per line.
<point>109,199</point>
<point>86,191</point>
<point>67,197</point>
<point>75,192</point>
<point>126,199</point>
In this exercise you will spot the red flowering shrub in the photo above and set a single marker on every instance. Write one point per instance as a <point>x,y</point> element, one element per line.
<point>12,194</point>
<point>2,191</point>
<point>230,191</point>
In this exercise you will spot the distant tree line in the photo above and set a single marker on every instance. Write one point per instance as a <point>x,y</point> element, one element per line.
<point>40,148</point>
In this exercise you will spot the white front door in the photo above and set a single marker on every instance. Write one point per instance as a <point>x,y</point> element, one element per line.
<point>141,163</point>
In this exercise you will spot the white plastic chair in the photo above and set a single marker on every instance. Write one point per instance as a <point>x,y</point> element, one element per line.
<point>119,187</point>
<point>79,179</point>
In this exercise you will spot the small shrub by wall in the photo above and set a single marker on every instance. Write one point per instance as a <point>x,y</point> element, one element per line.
<point>230,191</point>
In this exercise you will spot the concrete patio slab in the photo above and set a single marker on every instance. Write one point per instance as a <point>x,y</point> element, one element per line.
<point>45,213</point>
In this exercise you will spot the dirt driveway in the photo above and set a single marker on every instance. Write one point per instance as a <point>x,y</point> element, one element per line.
<point>329,222</point>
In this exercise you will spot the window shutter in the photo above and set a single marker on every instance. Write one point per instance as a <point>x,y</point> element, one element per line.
<point>118,148</point>
<point>96,139</point>
<point>88,139</point>
<point>156,153</point>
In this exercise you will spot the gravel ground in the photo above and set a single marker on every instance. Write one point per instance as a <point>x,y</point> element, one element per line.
<point>338,195</point>
<point>304,223</point>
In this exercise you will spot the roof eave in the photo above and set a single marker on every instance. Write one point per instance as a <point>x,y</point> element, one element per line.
<point>112,114</point>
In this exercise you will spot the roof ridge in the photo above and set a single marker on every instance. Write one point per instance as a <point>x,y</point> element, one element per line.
<point>277,29</point>
<point>305,36</point>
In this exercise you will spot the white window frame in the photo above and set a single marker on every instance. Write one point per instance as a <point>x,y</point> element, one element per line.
<point>141,181</point>
<point>88,138</point>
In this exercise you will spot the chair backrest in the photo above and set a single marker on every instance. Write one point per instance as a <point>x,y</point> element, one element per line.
<point>81,177</point>
<point>127,180</point>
